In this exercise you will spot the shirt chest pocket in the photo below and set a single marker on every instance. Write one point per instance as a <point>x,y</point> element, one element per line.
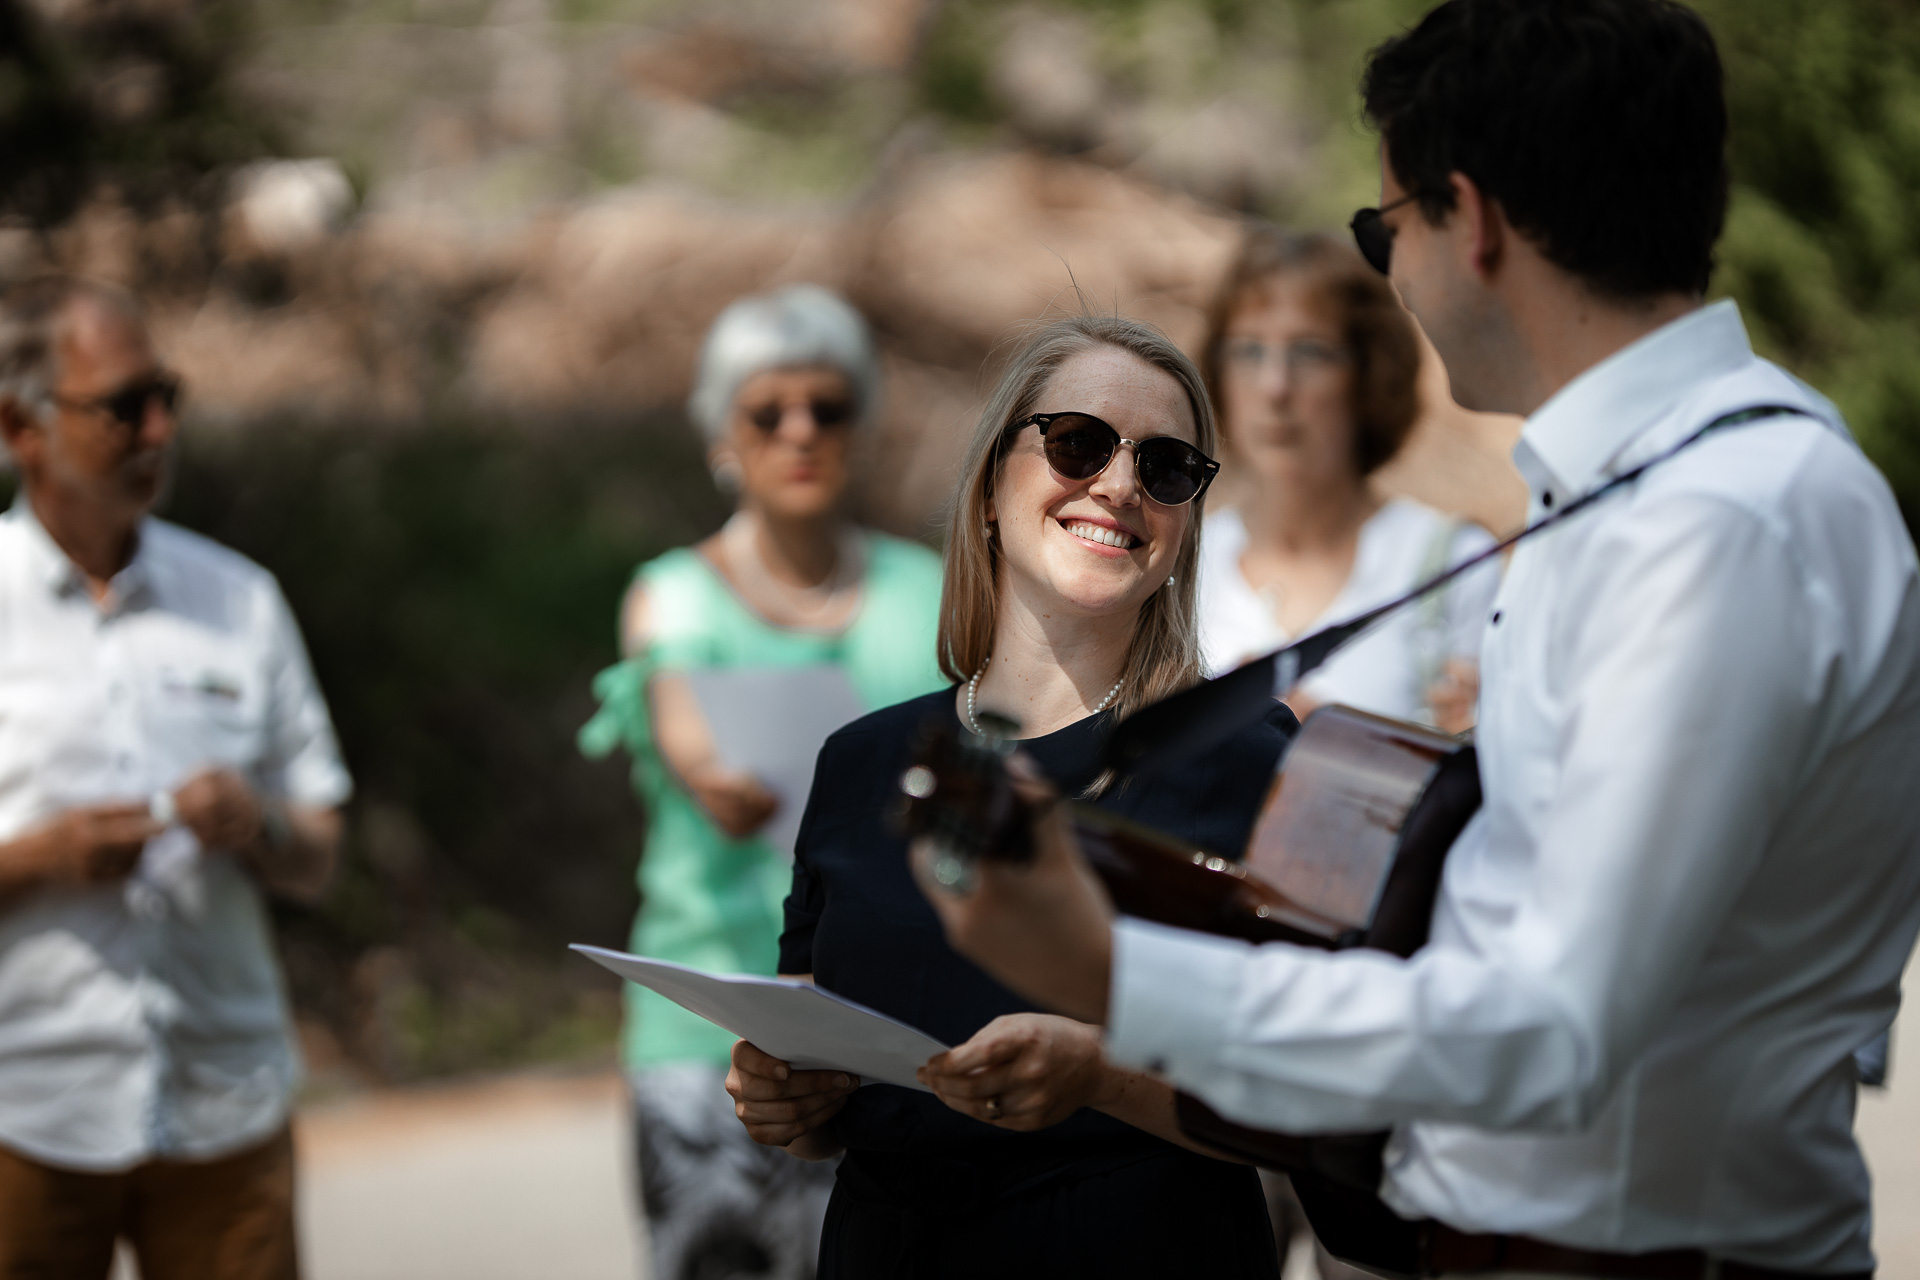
<point>205,713</point>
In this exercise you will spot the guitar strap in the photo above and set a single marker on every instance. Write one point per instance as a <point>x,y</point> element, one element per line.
<point>1214,710</point>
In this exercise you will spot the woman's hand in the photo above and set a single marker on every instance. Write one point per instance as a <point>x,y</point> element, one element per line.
<point>1453,696</point>
<point>782,1107</point>
<point>736,802</point>
<point>1023,1071</point>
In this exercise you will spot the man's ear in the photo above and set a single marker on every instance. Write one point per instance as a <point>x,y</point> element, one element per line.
<point>21,431</point>
<point>1484,228</point>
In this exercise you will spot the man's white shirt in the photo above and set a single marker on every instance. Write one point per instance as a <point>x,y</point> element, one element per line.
<point>146,1019</point>
<point>1695,881</point>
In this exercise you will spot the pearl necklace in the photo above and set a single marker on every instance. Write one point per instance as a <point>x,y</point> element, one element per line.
<point>807,605</point>
<point>973,687</point>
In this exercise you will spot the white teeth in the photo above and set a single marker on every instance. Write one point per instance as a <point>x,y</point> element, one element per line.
<point>1101,534</point>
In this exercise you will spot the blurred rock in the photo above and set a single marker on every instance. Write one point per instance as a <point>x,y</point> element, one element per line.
<point>612,308</point>
<point>487,272</point>
<point>103,240</point>
<point>20,252</point>
<point>283,206</point>
<point>600,306</point>
<point>1045,73</point>
<point>528,102</point>
<point>967,248</point>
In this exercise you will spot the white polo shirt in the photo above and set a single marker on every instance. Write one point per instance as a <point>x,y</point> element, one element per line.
<point>148,1018</point>
<point>1694,884</point>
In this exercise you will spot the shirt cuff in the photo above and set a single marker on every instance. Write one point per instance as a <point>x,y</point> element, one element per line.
<point>1173,994</point>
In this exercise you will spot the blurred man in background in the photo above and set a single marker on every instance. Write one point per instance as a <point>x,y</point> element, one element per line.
<point>165,758</point>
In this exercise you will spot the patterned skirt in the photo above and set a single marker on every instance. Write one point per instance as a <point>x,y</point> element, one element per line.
<point>719,1204</point>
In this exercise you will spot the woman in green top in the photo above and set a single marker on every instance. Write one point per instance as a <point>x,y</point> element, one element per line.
<point>785,379</point>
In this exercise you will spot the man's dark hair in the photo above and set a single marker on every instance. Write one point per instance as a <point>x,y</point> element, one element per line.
<point>1599,125</point>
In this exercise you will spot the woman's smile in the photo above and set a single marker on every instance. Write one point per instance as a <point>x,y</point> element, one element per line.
<point>1104,536</point>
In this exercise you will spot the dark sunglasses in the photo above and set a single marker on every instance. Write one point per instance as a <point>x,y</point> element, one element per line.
<point>827,414</point>
<point>1080,446</point>
<point>128,405</point>
<point>1374,237</point>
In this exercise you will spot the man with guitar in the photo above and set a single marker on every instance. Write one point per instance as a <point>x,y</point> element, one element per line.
<point>1695,879</point>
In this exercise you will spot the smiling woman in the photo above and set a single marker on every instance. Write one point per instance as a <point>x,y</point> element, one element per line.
<point>1091,571</point>
<point>1068,599</point>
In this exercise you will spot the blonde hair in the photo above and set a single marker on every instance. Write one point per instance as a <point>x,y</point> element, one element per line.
<point>1164,656</point>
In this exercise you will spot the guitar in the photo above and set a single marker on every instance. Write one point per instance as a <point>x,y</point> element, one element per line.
<point>1346,852</point>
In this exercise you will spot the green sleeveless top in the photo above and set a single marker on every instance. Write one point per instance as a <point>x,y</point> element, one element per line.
<point>708,900</point>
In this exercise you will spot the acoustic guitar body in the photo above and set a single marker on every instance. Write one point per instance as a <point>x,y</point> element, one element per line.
<point>1357,829</point>
<point>1347,852</point>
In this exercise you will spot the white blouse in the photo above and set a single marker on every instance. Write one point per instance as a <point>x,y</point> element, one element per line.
<point>1387,670</point>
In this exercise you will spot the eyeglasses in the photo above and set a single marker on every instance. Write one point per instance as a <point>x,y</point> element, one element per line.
<point>1374,236</point>
<point>1080,446</point>
<point>828,414</point>
<point>1301,358</point>
<point>128,405</point>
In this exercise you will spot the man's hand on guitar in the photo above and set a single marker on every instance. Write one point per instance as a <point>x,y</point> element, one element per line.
<point>1044,928</point>
<point>782,1107</point>
<point>1023,1071</point>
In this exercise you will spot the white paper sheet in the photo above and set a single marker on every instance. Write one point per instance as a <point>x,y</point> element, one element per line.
<point>770,722</point>
<point>794,1021</point>
<point>168,877</point>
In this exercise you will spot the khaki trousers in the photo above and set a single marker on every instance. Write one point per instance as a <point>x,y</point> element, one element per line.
<point>224,1219</point>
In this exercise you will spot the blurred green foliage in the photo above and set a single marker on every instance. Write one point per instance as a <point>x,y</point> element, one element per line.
<point>141,98</point>
<point>1823,244</point>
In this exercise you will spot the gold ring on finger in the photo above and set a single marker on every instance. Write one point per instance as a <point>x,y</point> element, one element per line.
<point>993,1108</point>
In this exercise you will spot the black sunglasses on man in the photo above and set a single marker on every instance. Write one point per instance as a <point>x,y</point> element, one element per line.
<point>128,405</point>
<point>1374,237</point>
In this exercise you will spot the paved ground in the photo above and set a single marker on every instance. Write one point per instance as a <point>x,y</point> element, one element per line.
<point>518,1179</point>
<point>1889,1128</point>
<point>527,1179</point>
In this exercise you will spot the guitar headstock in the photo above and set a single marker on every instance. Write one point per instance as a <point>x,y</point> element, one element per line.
<point>956,793</point>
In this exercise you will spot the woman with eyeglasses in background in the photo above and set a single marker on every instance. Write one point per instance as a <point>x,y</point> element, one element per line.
<point>785,381</point>
<point>1315,366</point>
<point>1068,603</point>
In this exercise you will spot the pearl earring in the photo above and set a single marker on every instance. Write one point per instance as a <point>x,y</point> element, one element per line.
<point>1170,581</point>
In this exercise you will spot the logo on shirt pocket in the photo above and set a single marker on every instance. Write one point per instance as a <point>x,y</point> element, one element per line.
<point>214,685</point>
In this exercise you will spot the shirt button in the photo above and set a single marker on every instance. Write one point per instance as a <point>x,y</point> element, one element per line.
<point>1546,499</point>
<point>1496,617</point>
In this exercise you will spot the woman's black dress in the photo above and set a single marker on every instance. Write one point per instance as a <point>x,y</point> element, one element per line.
<point>927,1192</point>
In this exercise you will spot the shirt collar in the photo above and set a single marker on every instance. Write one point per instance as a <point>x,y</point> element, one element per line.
<point>63,577</point>
<point>1570,440</point>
